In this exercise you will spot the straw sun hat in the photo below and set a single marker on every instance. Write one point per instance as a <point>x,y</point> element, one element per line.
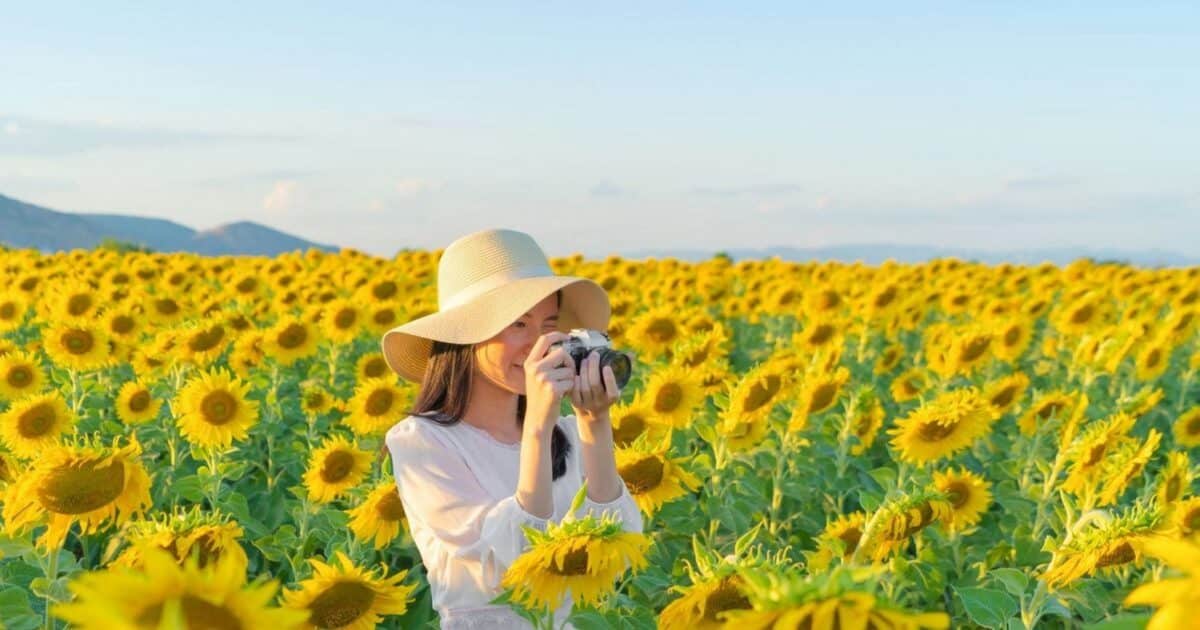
<point>486,280</point>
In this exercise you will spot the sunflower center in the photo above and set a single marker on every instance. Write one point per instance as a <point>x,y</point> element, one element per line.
<point>206,339</point>
<point>975,348</point>
<point>385,289</point>
<point>1119,554</point>
<point>78,341</point>
<point>850,537</point>
<point>8,310</point>
<point>936,431</point>
<point>206,549</point>
<point>911,386</point>
<point>1192,520</point>
<point>885,297</point>
<point>83,488</point>
<point>37,421</point>
<point>345,318</point>
<point>697,358</point>
<point>575,562</point>
<point>820,334</point>
<point>662,330</point>
<point>379,402</point>
<point>1012,336</point>
<point>1050,409</point>
<point>1193,426</point>
<point>197,613</point>
<point>121,324</point>
<point>957,493</point>
<point>374,367</point>
<point>166,306</point>
<point>1153,357</point>
<point>761,392</point>
<point>668,398</point>
<point>79,304</point>
<point>19,376</point>
<point>337,466</point>
<point>247,285</point>
<point>1004,396</point>
<point>139,401</point>
<point>631,426</point>
<point>293,336</point>
<point>218,407</point>
<point>725,597</point>
<point>643,475</point>
<point>314,400</point>
<point>1095,453</point>
<point>1083,314</point>
<point>390,508</point>
<point>341,604</point>
<point>1172,490</point>
<point>822,397</point>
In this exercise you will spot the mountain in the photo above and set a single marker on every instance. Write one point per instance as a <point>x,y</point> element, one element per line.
<point>876,253</point>
<point>26,225</point>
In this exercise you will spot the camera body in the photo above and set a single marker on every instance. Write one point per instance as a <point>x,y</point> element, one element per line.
<point>581,342</point>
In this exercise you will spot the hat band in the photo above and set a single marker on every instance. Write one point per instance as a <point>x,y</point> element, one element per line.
<point>494,281</point>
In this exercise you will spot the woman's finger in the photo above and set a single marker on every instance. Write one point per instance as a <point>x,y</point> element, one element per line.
<point>610,383</point>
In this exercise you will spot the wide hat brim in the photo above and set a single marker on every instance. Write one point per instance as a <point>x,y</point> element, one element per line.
<point>406,347</point>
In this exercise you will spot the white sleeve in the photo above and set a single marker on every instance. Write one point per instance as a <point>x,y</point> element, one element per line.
<point>623,506</point>
<point>468,525</point>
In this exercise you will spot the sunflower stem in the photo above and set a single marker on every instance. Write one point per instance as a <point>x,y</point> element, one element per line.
<point>51,576</point>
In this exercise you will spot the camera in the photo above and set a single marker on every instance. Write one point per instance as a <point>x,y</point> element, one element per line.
<point>581,342</point>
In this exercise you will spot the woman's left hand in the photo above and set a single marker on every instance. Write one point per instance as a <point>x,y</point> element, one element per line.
<point>594,393</point>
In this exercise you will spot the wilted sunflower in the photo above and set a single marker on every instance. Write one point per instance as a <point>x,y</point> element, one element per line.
<point>209,536</point>
<point>1006,392</point>
<point>1187,427</point>
<point>838,540</point>
<point>865,418</point>
<point>1140,403</point>
<point>1104,547</point>
<point>909,384</point>
<point>673,394</point>
<point>652,477</point>
<point>941,427</point>
<point>1045,408</point>
<point>655,331</point>
<point>584,556</point>
<point>380,516</point>
<point>334,468</point>
<point>290,339</point>
<point>1175,479</point>
<point>35,423</point>
<point>348,597</point>
<point>1088,452</point>
<point>77,343</point>
<point>819,390</point>
<point>969,494</point>
<point>135,404</point>
<point>702,604</point>
<point>20,375</point>
<point>215,409</point>
<point>1177,599</point>
<point>164,594</point>
<point>79,482</point>
<point>894,524</point>
<point>370,365</point>
<point>1125,465</point>
<point>376,405</point>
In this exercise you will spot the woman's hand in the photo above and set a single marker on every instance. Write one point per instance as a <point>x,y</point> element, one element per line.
<point>548,376</point>
<point>594,392</point>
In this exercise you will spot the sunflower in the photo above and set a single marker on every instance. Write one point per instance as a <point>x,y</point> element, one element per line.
<point>652,477</point>
<point>1187,427</point>
<point>839,539</point>
<point>1153,359</point>
<point>215,409</point>
<point>381,317</point>
<point>344,596</point>
<point>135,404</point>
<point>315,400</point>
<point>122,323</point>
<point>888,359</point>
<point>941,427</point>
<point>163,594</point>
<point>70,298</point>
<point>1176,598</point>
<point>35,423</point>
<point>201,343</point>
<point>818,392</point>
<point>897,522</point>
<point>78,344</point>
<point>20,375</point>
<point>1006,392</point>
<point>969,494</point>
<point>702,604</point>
<point>755,394</point>
<point>80,483</point>
<point>673,393</point>
<point>969,349</point>
<point>1175,479</point>
<point>584,556</point>
<point>370,365</point>
<point>909,384</point>
<point>13,307</point>
<point>866,418</point>
<point>1185,519</point>
<point>635,418</point>
<point>1125,465</point>
<point>342,320</point>
<point>1078,316</point>
<point>247,353</point>
<point>1045,408</point>
<point>380,516</point>
<point>210,537</point>
<point>1140,403</point>
<point>655,331</point>
<point>376,405</point>
<point>290,339</point>
<point>1103,547</point>
<point>8,470</point>
<point>334,468</point>
<point>1012,338</point>
<point>818,334</point>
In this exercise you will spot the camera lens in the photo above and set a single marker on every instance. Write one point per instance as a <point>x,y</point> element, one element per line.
<point>622,367</point>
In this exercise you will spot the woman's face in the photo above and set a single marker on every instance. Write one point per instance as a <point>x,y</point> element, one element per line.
<point>501,358</point>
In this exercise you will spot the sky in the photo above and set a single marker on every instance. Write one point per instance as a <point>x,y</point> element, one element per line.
<point>616,127</point>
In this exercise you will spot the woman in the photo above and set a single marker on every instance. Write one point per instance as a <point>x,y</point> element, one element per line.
<point>485,451</point>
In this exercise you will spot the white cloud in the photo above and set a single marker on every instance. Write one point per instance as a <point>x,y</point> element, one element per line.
<point>282,196</point>
<point>11,128</point>
<point>413,186</point>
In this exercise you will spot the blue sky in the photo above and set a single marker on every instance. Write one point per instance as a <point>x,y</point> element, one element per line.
<point>616,127</point>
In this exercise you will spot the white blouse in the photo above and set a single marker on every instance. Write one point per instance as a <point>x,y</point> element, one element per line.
<point>458,487</point>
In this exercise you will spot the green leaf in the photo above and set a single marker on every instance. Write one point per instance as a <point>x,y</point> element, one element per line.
<point>988,607</point>
<point>189,488</point>
<point>588,620</point>
<point>580,496</point>
<point>14,606</point>
<point>1127,621</point>
<point>1013,580</point>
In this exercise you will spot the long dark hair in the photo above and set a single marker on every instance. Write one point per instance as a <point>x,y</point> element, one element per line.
<point>446,388</point>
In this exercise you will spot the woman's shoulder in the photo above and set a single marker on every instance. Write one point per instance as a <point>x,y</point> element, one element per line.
<point>415,432</point>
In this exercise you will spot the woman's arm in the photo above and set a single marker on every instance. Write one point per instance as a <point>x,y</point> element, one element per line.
<point>535,490</point>
<point>599,463</point>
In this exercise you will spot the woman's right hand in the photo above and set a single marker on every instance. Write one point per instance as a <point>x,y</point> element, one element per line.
<point>548,377</point>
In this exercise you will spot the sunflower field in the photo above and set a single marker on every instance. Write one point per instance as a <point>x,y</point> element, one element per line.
<point>192,442</point>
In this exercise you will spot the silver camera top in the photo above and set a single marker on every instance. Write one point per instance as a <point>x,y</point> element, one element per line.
<point>587,338</point>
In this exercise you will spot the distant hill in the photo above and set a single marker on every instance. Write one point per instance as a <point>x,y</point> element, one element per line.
<point>876,253</point>
<point>27,225</point>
